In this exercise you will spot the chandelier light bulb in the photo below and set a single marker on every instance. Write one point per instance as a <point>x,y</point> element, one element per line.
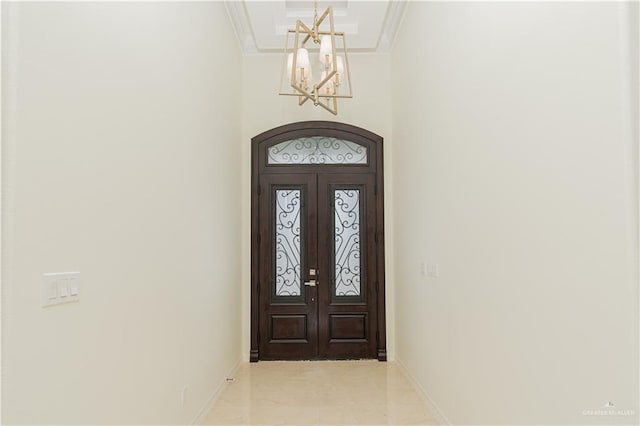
<point>289,65</point>
<point>303,58</point>
<point>304,67</point>
<point>326,49</point>
<point>339,69</point>
<point>328,88</point>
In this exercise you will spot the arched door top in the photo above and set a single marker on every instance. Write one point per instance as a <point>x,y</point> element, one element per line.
<point>317,128</point>
<point>312,144</point>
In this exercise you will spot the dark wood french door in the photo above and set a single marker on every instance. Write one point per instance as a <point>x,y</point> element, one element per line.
<point>317,246</point>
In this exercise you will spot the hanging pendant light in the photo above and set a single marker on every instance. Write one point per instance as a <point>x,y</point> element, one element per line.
<point>319,51</point>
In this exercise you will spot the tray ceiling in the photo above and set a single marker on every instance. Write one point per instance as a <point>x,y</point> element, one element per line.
<point>370,26</point>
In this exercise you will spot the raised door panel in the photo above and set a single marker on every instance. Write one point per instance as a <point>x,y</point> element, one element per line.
<point>288,241</point>
<point>348,264</point>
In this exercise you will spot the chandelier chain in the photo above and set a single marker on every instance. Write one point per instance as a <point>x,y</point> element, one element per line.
<point>315,12</point>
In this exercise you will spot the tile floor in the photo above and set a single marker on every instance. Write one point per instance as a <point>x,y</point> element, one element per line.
<point>319,393</point>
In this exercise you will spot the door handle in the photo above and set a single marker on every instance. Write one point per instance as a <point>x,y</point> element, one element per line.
<point>311,283</point>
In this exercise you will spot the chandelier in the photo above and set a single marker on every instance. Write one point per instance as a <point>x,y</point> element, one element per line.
<point>330,67</point>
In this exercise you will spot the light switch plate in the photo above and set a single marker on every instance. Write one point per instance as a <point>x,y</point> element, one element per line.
<point>60,287</point>
<point>433,270</point>
<point>423,269</point>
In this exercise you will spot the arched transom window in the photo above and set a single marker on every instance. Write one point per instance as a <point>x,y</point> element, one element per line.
<point>317,150</point>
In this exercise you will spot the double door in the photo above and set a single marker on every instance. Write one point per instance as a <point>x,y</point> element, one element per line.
<point>317,246</point>
<point>317,270</point>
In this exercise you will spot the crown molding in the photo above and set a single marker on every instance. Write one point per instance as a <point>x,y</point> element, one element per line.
<point>237,11</point>
<point>395,13</point>
<point>241,25</point>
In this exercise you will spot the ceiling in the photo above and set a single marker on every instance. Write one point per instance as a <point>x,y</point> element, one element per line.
<point>370,26</point>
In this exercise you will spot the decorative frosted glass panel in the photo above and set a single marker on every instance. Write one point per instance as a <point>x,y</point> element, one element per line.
<point>287,242</point>
<point>317,150</point>
<point>347,242</point>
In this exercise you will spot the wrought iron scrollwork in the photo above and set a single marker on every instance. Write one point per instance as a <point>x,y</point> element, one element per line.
<point>317,150</point>
<point>347,242</point>
<point>287,242</point>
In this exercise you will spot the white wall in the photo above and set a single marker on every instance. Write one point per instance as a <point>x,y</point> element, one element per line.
<point>515,171</point>
<point>120,152</point>
<point>263,109</point>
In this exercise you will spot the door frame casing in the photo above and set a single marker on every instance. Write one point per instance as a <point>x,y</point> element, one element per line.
<point>259,146</point>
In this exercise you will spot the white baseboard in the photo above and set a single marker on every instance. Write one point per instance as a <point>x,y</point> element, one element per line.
<point>199,418</point>
<point>435,411</point>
